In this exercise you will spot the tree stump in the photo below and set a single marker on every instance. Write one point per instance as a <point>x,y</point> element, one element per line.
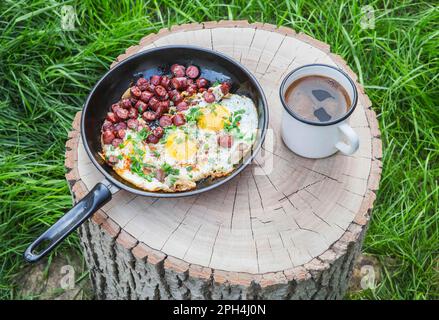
<point>291,233</point>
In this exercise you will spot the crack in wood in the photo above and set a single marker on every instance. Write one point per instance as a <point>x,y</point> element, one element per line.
<point>274,55</point>
<point>193,238</point>
<point>181,221</point>
<point>287,69</point>
<point>251,223</point>
<point>302,188</point>
<point>257,188</point>
<point>213,246</point>
<point>286,249</point>
<point>249,47</point>
<point>312,210</point>
<point>233,206</point>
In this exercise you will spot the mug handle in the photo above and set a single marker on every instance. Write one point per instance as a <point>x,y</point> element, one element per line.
<point>353,141</point>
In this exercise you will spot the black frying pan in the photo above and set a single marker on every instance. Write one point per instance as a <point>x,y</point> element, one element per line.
<point>213,66</point>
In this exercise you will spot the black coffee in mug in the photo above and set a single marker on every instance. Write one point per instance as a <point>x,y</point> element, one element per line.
<point>317,98</point>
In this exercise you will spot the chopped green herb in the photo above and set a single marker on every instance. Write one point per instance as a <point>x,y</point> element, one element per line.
<point>120,157</point>
<point>194,114</point>
<point>138,151</point>
<point>233,123</point>
<point>156,153</point>
<point>169,170</point>
<point>189,168</point>
<point>172,179</point>
<point>143,134</point>
<point>137,168</point>
<point>170,128</point>
<point>168,131</point>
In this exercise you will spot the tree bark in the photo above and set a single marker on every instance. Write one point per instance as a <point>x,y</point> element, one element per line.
<point>117,273</point>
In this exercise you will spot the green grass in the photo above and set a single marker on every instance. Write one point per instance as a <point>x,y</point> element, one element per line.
<point>46,73</point>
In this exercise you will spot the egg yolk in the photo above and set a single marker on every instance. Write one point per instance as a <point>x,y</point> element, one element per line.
<point>213,117</point>
<point>180,147</point>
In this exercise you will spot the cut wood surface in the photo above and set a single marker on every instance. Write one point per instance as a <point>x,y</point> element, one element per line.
<point>286,227</point>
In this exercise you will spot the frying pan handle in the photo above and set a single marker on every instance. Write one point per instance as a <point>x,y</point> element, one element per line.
<point>95,199</point>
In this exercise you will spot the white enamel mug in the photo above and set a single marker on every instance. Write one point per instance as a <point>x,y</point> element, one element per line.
<point>313,139</point>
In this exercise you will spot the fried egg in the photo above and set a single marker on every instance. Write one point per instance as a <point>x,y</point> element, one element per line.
<point>191,152</point>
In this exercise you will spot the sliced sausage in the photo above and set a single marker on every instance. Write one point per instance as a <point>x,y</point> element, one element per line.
<point>135,92</point>
<point>202,83</point>
<point>182,106</point>
<point>179,119</point>
<point>133,101</point>
<point>192,89</point>
<point>160,91</point>
<point>165,82</point>
<point>116,142</point>
<point>152,139</point>
<point>225,87</point>
<point>145,96</point>
<point>179,83</point>
<point>209,97</point>
<point>173,93</point>
<point>133,124</point>
<point>178,70</point>
<point>149,116</point>
<point>120,125</point>
<point>121,133</point>
<point>125,103</point>
<point>141,82</point>
<point>150,87</point>
<point>122,113</point>
<point>141,106</point>
<point>112,117</point>
<point>155,80</point>
<point>175,96</point>
<point>158,132</point>
<point>201,90</point>
<point>165,121</point>
<point>133,113</point>
<point>108,125</point>
<point>153,103</point>
<point>192,72</point>
<point>115,106</point>
<point>225,141</point>
<point>161,109</point>
<point>164,106</point>
<point>107,136</point>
